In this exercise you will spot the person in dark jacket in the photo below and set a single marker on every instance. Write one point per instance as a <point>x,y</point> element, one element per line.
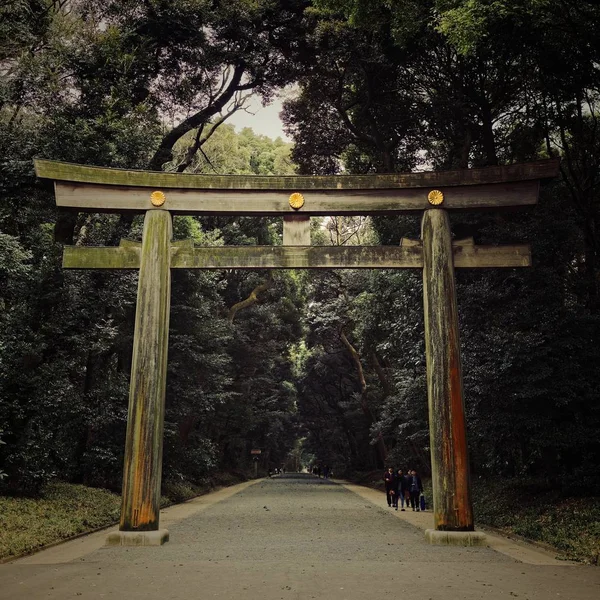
<point>391,487</point>
<point>403,493</point>
<point>407,480</point>
<point>416,487</point>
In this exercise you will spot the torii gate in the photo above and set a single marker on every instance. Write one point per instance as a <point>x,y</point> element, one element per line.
<point>296,198</point>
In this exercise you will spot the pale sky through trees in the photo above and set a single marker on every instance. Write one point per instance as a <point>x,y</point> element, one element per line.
<point>264,120</point>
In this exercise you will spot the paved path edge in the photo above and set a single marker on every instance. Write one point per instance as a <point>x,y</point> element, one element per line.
<point>520,550</point>
<point>63,551</point>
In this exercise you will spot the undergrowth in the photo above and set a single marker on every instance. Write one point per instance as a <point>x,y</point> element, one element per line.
<point>530,509</point>
<point>65,510</point>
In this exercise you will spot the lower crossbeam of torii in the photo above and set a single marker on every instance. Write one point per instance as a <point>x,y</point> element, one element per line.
<point>160,195</point>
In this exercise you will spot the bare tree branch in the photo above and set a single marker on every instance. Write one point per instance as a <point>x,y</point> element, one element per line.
<point>199,140</point>
<point>165,150</point>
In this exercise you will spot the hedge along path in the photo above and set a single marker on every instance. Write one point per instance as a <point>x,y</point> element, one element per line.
<point>159,195</point>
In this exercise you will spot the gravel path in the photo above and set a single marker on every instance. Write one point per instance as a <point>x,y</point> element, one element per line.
<point>296,537</point>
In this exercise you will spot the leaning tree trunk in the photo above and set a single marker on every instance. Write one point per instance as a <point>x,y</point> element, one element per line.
<point>380,449</point>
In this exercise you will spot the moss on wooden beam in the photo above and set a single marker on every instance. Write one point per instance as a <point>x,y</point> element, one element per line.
<point>105,198</point>
<point>85,257</point>
<point>61,171</point>
<point>297,257</point>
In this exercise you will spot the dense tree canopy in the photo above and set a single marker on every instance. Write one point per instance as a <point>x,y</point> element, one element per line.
<point>329,366</point>
<point>457,84</point>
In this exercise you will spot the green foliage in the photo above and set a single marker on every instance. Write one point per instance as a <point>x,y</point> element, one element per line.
<point>468,23</point>
<point>63,511</point>
<point>384,86</point>
<point>245,153</point>
<point>14,270</point>
<point>453,84</point>
<point>96,84</point>
<point>571,525</point>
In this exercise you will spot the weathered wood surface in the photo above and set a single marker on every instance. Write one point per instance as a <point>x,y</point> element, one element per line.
<point>143,446</point>
<point>325,202</point>
<point>452,505</point>
<point>185,256</point>
<point>484,257</point>
<point>61,171</point>
<point>296,230</point>
<point>103,257</point>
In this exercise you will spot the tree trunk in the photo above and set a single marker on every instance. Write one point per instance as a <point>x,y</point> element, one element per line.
<point>487,135</point>
<point>251,299</point>
<point>383,378</point>
<point>165,150</point>
<point>591,274</point>
<point>381,451</point>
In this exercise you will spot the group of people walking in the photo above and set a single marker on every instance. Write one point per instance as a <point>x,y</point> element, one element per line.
<point>325,471</point>
<point>403,489</point>
<point>277,471</point>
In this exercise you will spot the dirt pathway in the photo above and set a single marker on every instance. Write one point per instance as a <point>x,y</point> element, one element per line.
<point>292,538</point>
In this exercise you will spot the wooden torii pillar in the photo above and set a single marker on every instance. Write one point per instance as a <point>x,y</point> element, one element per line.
<point>159,195</point>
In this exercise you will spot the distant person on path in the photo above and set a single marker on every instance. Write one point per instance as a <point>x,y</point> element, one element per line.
<point>403,492</point>
<point>395,491</point>
<point>407,482</point>
<point>326,471</point>
<point>391,487</point>
<point>416,487</point>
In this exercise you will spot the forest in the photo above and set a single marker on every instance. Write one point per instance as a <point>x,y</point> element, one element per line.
<point>314,367</point>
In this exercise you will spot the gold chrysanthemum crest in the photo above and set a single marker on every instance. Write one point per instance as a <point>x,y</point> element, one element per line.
<point>296,200</point>
<point>435,197</point>
<point>157,198</point>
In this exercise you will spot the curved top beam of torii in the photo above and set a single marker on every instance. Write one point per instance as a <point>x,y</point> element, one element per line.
<point>98,189</point>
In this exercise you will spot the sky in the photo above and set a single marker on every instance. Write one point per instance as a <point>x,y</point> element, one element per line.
<point>264,120</point>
